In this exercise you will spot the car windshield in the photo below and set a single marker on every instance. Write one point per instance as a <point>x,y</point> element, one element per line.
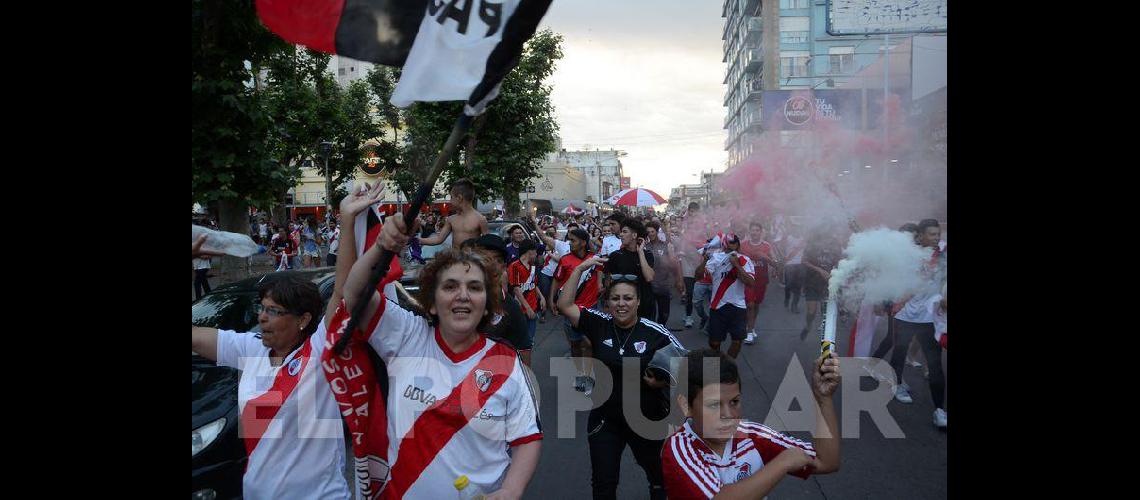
<point>226,311</point>
<point>428,253</point>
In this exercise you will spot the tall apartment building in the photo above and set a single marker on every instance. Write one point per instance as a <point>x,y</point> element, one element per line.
<point>784,45</point>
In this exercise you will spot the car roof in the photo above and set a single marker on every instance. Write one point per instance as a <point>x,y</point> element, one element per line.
<point>317,276</point>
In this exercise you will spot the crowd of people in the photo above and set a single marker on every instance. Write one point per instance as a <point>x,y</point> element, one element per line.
<point>610,280</point>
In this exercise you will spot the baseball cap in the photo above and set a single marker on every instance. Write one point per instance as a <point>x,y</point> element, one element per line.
<point>492,242</point>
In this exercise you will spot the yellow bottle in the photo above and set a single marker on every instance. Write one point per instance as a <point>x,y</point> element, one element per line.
<point>466,491</point>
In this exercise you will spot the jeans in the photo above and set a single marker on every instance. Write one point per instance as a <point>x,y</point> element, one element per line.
<point>906,330</point>
<point>663,300</point>
<point>689,282</point>
<point>544,283</point>
<point>794,283</point>
<point>702,295</point>
<point>530,326</point>
<point>608,438</point>
<point>201,282</point>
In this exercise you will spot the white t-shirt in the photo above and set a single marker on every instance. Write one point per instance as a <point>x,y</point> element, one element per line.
<point>434,448</point>
<point>938,315</point>
<point>551,264</point>
<point>334,241</point>
<point>727,289</point>
<point>300,450</point>
<point>263,230</point>
<point>795,250</point>
<point>609,244</point>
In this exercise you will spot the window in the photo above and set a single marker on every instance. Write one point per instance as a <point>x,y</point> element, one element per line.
<point>793,37</point>
<point>794,29</point>
<point>340,71</point>
<point>794,63</point>
<point>793,4</point>
<point>842,59</point>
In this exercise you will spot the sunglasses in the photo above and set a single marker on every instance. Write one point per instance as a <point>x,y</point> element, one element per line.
<point>623,277</point>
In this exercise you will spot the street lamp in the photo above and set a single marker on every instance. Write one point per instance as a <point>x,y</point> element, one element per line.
<point>326,148</point>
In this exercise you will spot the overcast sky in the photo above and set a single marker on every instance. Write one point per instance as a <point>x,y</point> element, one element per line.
<point>643,76</point>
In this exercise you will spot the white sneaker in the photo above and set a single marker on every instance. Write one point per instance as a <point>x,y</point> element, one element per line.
<point>688,321</point>
<point>902,394</point>
<point>939,417</point>
<point>750,339</point>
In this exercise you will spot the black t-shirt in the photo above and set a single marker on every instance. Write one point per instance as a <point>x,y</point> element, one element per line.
<point>512,326</point>
<point>823,253</point>
<point>623,261</point>
<point>283,245</point>
<point>611,345</point>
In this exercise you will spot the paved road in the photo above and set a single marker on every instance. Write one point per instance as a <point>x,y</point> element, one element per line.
<point>873,466</point>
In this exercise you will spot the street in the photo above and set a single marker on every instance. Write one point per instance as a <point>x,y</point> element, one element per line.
<point>872,465</point>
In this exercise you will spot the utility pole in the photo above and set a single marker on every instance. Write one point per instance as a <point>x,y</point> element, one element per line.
<point>326,148</point>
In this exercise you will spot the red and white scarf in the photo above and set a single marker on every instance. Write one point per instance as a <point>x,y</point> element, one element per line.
<point>354,382</point>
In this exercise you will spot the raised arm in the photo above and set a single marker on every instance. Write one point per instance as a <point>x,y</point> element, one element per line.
<point>391,237</point>
<point>646,269</point>
<point>566,300</point>
<point>204,341</point>
<point>439,236</point>
<point>350,206</point>
<point>826,380</point>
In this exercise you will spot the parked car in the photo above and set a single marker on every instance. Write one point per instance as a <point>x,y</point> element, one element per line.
<point>219,455</point>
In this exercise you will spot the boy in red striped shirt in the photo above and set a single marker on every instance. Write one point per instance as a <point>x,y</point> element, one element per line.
<point>718,454</point>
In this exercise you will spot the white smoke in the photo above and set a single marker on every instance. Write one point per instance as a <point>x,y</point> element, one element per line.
<point>880,265</point>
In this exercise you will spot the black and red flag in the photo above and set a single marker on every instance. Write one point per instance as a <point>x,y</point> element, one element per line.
<point>449,50</point>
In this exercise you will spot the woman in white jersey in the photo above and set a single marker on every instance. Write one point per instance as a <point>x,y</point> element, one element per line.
<point>460,403</point>
<point>289,420</point>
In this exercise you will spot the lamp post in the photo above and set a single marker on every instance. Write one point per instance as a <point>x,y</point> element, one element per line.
<point>326,148</point>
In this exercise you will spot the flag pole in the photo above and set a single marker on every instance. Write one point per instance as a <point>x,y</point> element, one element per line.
<point>462,124</point>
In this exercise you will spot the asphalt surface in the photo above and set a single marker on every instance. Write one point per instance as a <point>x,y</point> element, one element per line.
<point>873,466</point>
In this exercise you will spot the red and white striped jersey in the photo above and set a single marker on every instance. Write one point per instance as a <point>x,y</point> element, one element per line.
<point>726,288</point>
<point>693,470</point>
<point>289,420</point>
<point>449,414</point>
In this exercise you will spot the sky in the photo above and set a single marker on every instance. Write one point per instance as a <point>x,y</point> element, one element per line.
<point>643,76</point>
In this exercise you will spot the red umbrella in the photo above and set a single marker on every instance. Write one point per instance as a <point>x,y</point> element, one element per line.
<point>636,197</point>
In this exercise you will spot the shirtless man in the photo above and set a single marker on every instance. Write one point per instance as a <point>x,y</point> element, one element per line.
<point>466,223</point>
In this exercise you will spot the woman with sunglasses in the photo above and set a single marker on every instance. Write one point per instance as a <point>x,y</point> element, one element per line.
<point>617,336</point>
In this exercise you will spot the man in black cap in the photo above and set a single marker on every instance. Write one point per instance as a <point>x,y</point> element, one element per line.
<point>509,323</point>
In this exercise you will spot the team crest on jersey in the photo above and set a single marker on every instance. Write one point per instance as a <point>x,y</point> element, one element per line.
<point>483,379</point>
<point>745,471</point>
<point>608,342</point>
<point>294,366</point>
<point>639,346</point>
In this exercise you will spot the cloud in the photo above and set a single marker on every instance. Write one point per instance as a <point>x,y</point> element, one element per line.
<point>644,77</point>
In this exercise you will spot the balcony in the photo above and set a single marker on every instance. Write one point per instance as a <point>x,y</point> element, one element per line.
<point>755,29</point>
<point>754,88</point>
<point>753,58</point>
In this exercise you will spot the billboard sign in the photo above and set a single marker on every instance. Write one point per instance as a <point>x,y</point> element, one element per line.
<point>885,17</point>
<point>696,191</point>
<point>625,183</point>
<point>804,109</point>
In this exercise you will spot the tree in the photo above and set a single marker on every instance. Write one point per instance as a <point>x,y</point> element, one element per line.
<point>231,158</point>
<point>353,124</point>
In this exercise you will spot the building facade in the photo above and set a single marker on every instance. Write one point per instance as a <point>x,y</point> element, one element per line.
<point>776,45</point>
